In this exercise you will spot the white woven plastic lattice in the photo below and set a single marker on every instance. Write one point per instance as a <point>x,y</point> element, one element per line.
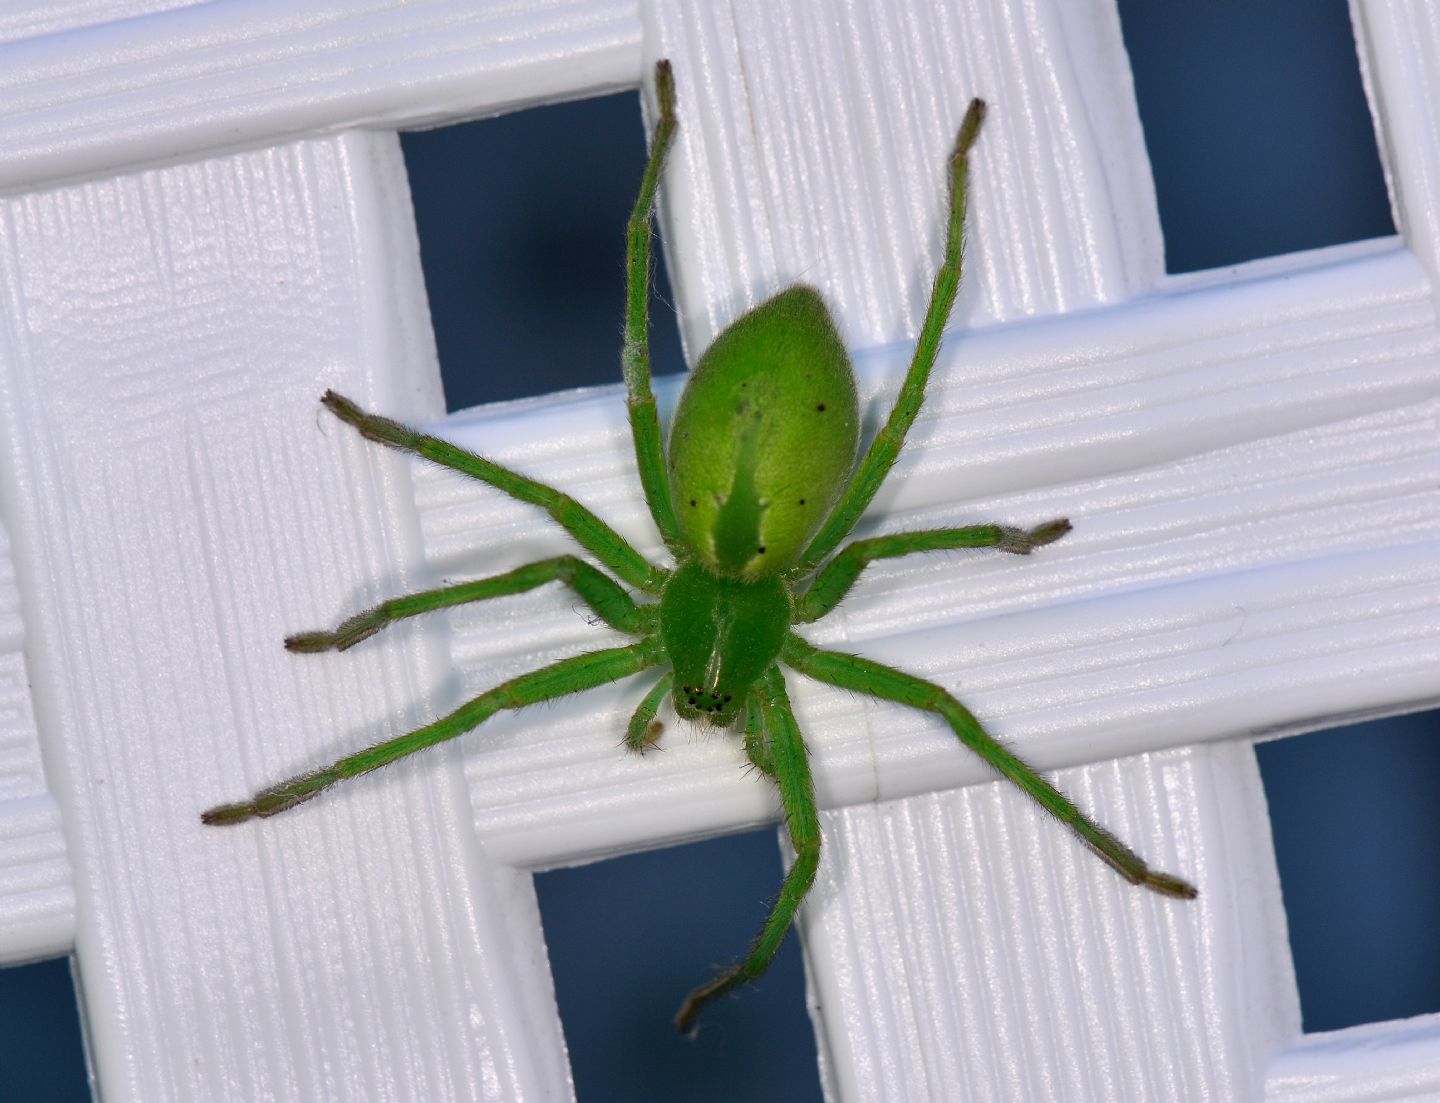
<point>174,505</point>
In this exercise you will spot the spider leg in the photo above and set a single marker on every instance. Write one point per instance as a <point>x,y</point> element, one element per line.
<point>864,676</point>
<point>836,577</point>
<point>644,421</point>
<point>644,729</point>
<point>593,534</point>
<point>567,676</point>
<point>886,447</point>
<point>597,589</point>
<point>797,794</point>
<point>755,747</point>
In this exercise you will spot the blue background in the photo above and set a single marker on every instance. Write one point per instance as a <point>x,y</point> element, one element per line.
<point>1261,144</point>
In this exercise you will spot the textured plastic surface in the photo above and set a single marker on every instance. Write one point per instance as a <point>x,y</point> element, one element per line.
<point>139,88</point>
<point>37,900</point>
<point>176,503</point>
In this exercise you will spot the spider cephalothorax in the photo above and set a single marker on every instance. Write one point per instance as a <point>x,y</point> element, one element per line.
<point>761,486</point>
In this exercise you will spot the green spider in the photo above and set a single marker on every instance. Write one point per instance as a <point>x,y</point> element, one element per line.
<point>760,488</point>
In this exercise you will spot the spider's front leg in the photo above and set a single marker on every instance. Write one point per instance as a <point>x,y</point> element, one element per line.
<point>592,534</point>
<point>885,448</point>
<point>835,579</point>
<point>595,588</point>
<point>559,679</point>
<point>791,770</point>
<point>635,355</point>
<point>869,677</point>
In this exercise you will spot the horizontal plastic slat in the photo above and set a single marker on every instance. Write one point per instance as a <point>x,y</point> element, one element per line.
<point>208,78</point>
<point>1224,585</point>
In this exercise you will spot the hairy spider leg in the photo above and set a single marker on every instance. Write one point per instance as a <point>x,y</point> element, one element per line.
<point>797,794</point>
<point>881,455</point>
<point>837,576</point>
<point>644,729</point>
<point>635,357</point>
<point>591,533</point>
<point>756,749</point>
<point>572,675</point>
<point>596,589</point>
<point>877,680</point>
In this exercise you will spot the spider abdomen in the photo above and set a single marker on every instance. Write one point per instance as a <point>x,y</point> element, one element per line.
<point>764,436</point>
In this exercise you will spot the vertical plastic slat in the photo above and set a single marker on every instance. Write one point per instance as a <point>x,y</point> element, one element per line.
<point>180,503</point>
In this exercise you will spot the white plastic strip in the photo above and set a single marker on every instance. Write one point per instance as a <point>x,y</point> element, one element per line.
<point>178,503</point>
<point>221,76</point>
<point>37,901</point>
<point>813,141</point>
<point>1399,44</point>
<point>1395,1062</point>
<point>942,919</point>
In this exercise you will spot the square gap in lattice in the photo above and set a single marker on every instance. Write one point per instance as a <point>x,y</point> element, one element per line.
<point>1255,120</point>
<point>42,1055</point>
<point>630,937</point>
<point>1357,840</point>
<point>522,238</point>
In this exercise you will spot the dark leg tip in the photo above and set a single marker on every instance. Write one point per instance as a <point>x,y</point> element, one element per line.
<point>1167,885</point>
<point>1024,541</point>
<point>341,407</point>
<point>685,1019</point>
<point>223,814</point>
<point>970,126</point>
<point>307,643</point>
<point>1049,532</point>
<point>665,88</point>
<point>643,740</point>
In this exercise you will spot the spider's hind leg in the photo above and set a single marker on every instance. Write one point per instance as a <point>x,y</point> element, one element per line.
<point>591,533</point>
<point>866,676</point>
<point>581,672</point>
